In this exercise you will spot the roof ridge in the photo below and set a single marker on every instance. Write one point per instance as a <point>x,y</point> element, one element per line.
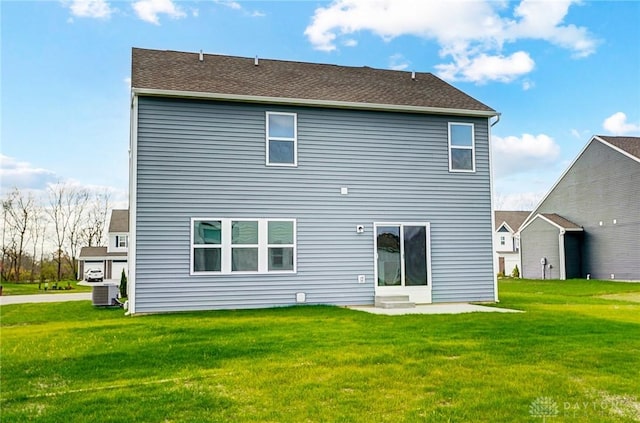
<point>236,78</point>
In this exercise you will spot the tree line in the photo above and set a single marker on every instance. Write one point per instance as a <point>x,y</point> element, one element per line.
<point>42,234</point>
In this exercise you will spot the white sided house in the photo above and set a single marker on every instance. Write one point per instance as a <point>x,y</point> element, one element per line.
<point>506,243</point>
<point>261,183</point>
<point>111,259</point>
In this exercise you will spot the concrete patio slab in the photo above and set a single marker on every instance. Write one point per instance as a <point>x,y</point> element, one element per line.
<point>449,308</point>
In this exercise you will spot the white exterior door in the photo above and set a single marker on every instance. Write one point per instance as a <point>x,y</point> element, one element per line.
<point>403,260</point>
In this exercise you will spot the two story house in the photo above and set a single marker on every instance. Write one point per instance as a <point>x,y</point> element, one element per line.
<point>112,259</point>
<point>506,243</point>
<point>260,183</point>
<point>588,224</point>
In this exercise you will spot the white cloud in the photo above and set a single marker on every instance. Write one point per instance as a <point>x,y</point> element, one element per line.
<point>230,4</point>
<point>350,42</point>
<point>527,85</point>
<point>617,124</point>
<point>543,20</point>
<point>398,62</point>
<point>23,175</point>
<point>511,155</point>
<point>149,10</point>
<point>483,68</point>
<point>472,33</point>
<point>89,8</point>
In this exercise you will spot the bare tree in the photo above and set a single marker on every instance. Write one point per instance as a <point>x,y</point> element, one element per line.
<point>96,218</point>
<point>44,224</point>
<point>9,238</point>
<point>78,204</point>
<point>5,238</point>
<point>18,210</point>
<point>59,212</point>
<point>37,231</point>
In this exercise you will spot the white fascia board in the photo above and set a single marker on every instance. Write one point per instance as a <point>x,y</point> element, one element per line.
<point>103,258</point>
<point>506,225</point>
<point>551,222</point>
<point>311,102</point>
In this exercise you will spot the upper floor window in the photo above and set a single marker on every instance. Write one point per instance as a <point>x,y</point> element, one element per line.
<point>502,240</point>
<point>461,147</point>
<point>122,241</point>
<point>282,139</point>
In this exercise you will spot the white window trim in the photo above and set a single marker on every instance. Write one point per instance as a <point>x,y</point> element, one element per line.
<point>119,239</point>
<point>266,240</point>
<point>294,139</point>
<point>226,246</point>
<point>461,147</point>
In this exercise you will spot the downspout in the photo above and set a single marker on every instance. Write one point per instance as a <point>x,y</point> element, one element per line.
<point>493,218</point>
<point>497,120</point>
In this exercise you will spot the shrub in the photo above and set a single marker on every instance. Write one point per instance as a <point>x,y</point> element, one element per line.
<point>516,272</point>
<point>123,284</point>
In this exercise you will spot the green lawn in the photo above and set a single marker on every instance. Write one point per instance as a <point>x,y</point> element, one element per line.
<point>26,288</point>
<point>574,356</point>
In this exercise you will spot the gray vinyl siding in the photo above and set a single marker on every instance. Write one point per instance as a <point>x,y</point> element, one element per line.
<point>601,186</point>
<point>538,240</point>
<point>207,159</point>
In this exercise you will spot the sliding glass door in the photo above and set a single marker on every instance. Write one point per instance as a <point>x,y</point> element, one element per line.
<point>402,260</point>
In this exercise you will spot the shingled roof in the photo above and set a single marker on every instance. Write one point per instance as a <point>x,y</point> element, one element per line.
<point>227,77</point>
<point>98,253</point>
<point>629,144</point>
<point>561,221</point>
<point>514,219</point>
<point>119,221</point>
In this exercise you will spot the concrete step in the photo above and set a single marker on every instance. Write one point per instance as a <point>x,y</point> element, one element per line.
<point>393,301</point>
<point>396,304</point>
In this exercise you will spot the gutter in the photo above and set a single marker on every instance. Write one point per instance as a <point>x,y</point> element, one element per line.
<point>311,102</point>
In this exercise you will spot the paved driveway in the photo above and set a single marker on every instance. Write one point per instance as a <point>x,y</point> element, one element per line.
<point>44,298</point>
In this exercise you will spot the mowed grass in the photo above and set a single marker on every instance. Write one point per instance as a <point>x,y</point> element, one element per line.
<point>573,350</point>
<point>28,288</point>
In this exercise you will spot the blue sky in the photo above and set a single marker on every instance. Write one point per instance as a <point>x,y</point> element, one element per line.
<point>558,72</point>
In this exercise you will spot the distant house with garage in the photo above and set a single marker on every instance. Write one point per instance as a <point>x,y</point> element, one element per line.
<point>506,243</point>
<point>588,225</point>
<point>261,183</point>
<point>111,259</point>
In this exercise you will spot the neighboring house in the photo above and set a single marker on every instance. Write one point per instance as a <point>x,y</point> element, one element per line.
<point>113,258</point>
<point>260,183</point>
<point>588,225</point>
<point>506,244</point>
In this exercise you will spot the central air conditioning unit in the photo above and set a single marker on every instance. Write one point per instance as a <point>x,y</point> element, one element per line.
<point>104,295</point>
